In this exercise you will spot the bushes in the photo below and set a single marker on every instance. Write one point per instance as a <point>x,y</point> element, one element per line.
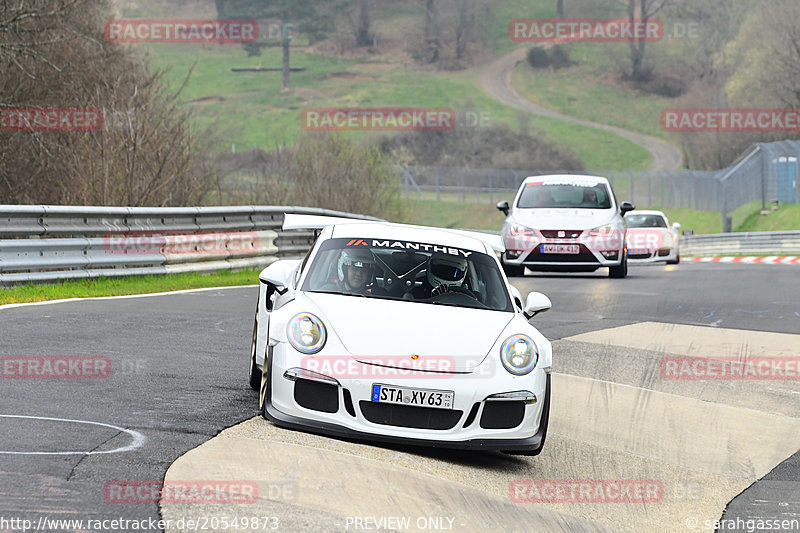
<point>556,57</point>
<point>321,170</point>
<point>496,147</point>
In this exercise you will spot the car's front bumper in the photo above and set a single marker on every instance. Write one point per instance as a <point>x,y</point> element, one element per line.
<point>655,255</point>
<point>349,421</point>
<point>593,252</point>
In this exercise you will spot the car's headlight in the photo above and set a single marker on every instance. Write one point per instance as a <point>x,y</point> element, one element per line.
<point>603,231</point>
<point>306,333</point>
<point>519,355</point>
<point>517,229</point>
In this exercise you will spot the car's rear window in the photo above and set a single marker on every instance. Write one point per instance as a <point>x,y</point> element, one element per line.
<point>565,195</point>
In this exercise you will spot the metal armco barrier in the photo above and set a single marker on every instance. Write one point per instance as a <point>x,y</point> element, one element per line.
<point>755,243</point>
<point>48,243</point>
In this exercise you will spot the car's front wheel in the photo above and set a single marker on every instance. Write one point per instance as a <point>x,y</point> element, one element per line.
<point>676,260</point>
<point>621,270</point>
<point>255,372</point>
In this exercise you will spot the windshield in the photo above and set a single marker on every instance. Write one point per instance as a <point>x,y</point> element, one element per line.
<point>565,195</point>
<point>405,270</point>
<point>646,221</point>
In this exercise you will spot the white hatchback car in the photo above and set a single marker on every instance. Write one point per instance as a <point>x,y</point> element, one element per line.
<point>565,223</point>
<point>651,239</point>
<point>403,334</point>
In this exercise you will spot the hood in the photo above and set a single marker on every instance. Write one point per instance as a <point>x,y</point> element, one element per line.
<point>388,332</point>
<point>543,218</point>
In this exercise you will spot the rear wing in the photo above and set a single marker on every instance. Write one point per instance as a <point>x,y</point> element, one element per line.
<point>292,221</point>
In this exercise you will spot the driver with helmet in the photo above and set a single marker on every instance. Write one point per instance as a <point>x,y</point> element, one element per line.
<point>445,273</point>
<point>356,272</point>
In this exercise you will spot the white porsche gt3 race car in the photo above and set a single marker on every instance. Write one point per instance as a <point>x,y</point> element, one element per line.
<point>651,239</point>
<point>405,334</point>
<point>565,223</point>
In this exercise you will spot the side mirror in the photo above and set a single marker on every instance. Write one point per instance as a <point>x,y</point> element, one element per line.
<point>626,207</point>
<point>536,303</point>
<point>279,274</point>
<point>676,226</point>
<point>503,206</point>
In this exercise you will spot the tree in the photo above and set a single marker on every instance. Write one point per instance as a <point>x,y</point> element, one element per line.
<point>364,36</point>
<point>310,17</point>
<point>641,11</point>
<point>763,62</point>
<point>144,154</point>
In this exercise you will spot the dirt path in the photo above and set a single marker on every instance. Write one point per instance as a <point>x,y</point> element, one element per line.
<point>496,80</point>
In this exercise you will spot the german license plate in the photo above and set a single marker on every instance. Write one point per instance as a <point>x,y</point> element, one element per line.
<point>437,399</point>
<point>639,251</point>
<point>561,249</point>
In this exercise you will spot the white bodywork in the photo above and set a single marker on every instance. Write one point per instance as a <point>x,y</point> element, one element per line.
<point>653,244</point>
<point>395,342</point>
<point>598,233</point>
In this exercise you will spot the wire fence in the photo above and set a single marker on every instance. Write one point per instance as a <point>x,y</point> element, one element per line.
<point>767,172</point>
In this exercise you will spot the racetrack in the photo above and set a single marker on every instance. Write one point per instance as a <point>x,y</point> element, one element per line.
<point>179,377</point>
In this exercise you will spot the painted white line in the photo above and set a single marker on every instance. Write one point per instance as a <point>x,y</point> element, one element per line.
<point>122,297</point>
<point>137,441</point>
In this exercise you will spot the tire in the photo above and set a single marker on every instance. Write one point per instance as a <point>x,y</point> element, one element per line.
<point>255,372</point>
<point>676,260</point>
<point>535,451</point>
<point>513,271</point>
<point>621,270</point>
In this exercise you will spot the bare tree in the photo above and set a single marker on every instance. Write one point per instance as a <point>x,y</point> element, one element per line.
<point>764,66</point>
<point>145,153</point>
<point>641,10</point>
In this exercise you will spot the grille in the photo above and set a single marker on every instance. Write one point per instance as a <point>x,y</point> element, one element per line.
<point>407,416</point>
<point>316,396</point>
<point>568,233</point>
<point>502,415</point>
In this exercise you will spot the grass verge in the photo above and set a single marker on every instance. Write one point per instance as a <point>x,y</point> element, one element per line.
<point>88,288</point>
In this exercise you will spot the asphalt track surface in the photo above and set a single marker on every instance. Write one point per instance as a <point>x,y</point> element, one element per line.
<point>178,379</point>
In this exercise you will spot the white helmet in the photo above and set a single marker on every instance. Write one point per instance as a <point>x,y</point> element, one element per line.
<point>444,269</point>
<point>356,257</point>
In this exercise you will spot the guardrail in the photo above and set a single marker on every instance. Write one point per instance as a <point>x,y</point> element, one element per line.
<point>752,243</point>
<point>48,243</point>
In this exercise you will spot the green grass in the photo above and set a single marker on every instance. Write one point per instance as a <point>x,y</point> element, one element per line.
<point>598,98</point>
<point>451,214</point>
<point>786,218</point>
<point>248,109</point>
<point>87,288</point>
